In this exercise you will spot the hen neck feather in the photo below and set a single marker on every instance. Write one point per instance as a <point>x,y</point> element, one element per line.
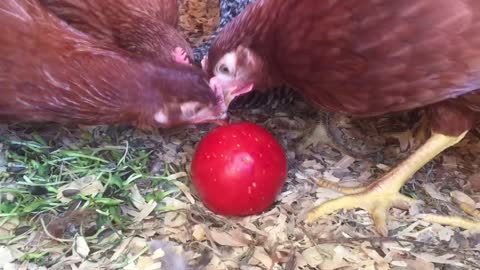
<point>253,28</point>
<point>142,27</point>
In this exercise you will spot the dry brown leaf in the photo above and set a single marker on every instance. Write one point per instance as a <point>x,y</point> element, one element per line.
<point>399,263</point>
<point>11,266</point>
<point>328,175</point>
<point>146,210</point>
<point>137,245</point>
<point>9,226</point>
<point>261,255</point>
<point>121,248</point>
<point>434,192</point>
<point>176,176</point>
<point>175,219</point>
<point>289,197</point>
<point>448,259</point>
<point>175,203</point>
<point>232,239</point>
<point>383,167</point>
<point>198,232</point>
<point>325,194</point>
<point>144,263</point>
<point>6,256</point>
<point>450,162</point>
<point>87,186</point>
<point>216,264</point>
<point>474,181</point>
<point>312,164</point>
<point>178,234</point>
<point>300,176</point>
<point>381,262</point>
<point>80,247</point>
<point>364,176</point>
<point>404,138</point>
<point>137,198</point>
<point>342,253</point>
<point>312,256</point>
<point>278,232</point>
<point>444,233</point>
<point>460,197</point>
<point>90,265</point>
<point>300,260</point>
<point>420,264</point>
<point>185,190</point>
<point>344,163</point>
<point>158,254</point>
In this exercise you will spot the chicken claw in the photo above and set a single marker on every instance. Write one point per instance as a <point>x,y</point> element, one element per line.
<point>378,197</point>
<point>467,205</point>
<point>180,56</point>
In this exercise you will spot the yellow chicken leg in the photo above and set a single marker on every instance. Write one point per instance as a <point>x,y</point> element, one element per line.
<point>378,197</point>
<point>468,206</point>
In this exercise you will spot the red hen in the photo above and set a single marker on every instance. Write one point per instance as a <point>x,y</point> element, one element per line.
<point>51,72</point>
<point>145,27</point>
<point>362,58</point>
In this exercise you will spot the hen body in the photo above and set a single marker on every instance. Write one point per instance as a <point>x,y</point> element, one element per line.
<point>363,58</point>
<point>146,28</point>
<point>51,72</point>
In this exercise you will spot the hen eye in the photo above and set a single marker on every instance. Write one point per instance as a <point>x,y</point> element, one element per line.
<point>224,69</point>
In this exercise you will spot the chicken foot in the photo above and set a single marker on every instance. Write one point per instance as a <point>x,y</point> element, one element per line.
<point>453,221</point>
<point>467,206</point>
<point>378,197</point>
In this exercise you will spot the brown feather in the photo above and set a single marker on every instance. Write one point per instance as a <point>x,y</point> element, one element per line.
<point>366,57</point>
<point>52,72</point>
<point>145,27</point>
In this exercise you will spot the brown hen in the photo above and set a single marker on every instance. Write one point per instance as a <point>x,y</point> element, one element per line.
<point>145,27</point>
<point>51,72</point>
<point>362,58</point>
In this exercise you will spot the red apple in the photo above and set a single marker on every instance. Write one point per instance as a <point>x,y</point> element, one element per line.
<point>239,169</point>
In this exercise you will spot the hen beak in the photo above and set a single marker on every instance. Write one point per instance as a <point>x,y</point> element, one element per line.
<point>232,91</point>
<point>237,90</point>
<point>222,122</point>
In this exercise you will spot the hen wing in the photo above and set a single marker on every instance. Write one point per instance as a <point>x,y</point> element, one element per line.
<point>369,57</point>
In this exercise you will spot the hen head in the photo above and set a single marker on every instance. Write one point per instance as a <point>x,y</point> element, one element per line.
<point>236,71</point>
<point>242,56</point>
<point>187,98</point>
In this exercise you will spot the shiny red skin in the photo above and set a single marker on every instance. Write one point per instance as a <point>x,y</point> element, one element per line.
<point>239,169</point>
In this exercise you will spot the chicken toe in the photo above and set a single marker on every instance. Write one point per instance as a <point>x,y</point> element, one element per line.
<point>467,205</point>
<point>381,195</point>
<point>376,199</point>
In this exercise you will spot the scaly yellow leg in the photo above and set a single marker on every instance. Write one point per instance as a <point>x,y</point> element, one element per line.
<point>453,221</point>
<point>383,193</point>
<point>468,206</point>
